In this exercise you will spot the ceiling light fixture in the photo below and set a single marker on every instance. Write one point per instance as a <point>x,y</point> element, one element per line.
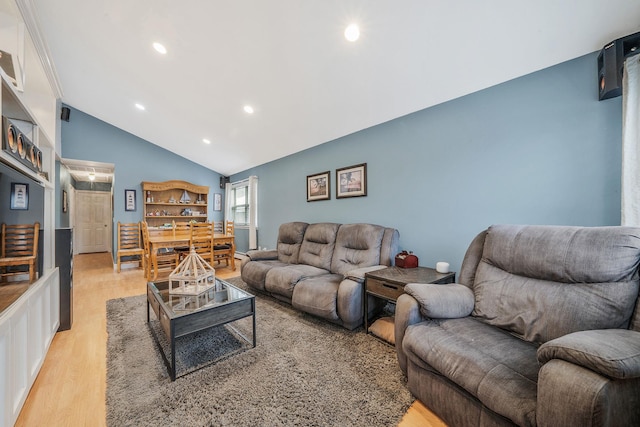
<point>206,141</point>
<point>160,48</point>
<point>352,33</point>
<point>248,109</point>
<point>140,107</point>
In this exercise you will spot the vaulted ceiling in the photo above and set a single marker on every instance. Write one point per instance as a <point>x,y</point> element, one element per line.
<point>290,61</point>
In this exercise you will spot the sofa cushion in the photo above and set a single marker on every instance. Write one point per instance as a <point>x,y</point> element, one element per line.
<point>543,282</point>
<point>357,245</point>
<point>282,280</point>
<point>290,236</point>
<point>254,272</point>
<point>496,367</point>
<point>317,245</point>
<point>318,296</point>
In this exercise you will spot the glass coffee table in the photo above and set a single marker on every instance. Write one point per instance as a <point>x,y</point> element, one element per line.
<point>180,315</point>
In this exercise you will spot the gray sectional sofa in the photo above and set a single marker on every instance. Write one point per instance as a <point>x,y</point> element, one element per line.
<point>319,268</point>
<point>543,328</point>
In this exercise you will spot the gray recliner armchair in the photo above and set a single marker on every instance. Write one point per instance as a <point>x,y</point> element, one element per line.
<point>542,328</point>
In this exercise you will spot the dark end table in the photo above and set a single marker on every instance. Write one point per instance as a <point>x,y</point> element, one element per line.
<point>388,283</point>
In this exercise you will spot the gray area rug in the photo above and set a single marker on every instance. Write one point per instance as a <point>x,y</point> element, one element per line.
<point>303,372</point>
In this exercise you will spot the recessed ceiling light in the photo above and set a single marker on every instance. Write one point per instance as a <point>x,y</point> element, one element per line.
<point>248,109</point>
<point>160,48</point>
<point>206,141</point>
<point>352,32</point>
<point>140,107</point>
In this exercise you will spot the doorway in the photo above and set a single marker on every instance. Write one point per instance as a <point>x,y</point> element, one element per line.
<point>90,197</point>
<point>93,221</point>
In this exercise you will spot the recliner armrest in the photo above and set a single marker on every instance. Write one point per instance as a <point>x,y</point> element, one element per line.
<point>259,255</point>
<point>614,353</point>
<point>448,301</point>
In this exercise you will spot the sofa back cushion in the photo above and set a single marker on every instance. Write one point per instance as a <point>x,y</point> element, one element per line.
<point>290,236</point>
<point>357,245</point>
<point>543,282</point>
<point>317,245</point>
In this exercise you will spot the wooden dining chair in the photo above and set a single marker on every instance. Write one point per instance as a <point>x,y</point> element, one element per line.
<point>202,240</point>
<point>225,252</point>
<point>181,228</point>
<point>129,243</point>
<point>19,248</point>
<point>166,261</point>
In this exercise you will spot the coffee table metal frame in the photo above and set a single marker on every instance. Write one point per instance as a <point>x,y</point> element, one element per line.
<point>182,323</point>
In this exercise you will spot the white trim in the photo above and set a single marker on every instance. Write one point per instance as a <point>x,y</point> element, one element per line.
<point>30,17</point>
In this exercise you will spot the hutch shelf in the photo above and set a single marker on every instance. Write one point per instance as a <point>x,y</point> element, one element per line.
<point>169,201</point>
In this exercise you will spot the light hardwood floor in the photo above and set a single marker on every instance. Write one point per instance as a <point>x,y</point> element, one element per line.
<point>70,388</point>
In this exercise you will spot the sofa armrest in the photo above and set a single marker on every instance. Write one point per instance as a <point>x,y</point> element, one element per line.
<point>258,255</point>
<point>614,353</point>
<point>448,301</point>
<point>357,275</point>
<point>407,314</point>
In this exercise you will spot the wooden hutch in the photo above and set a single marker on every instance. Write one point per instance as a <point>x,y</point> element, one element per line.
<point>169,201</point>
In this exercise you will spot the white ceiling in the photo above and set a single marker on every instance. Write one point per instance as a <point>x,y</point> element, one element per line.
<point>290,61</point>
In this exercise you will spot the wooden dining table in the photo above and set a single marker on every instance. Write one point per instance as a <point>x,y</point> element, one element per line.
<point>168,239</point>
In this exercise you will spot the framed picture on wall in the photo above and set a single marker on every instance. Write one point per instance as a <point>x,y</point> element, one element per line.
<point>217,202</point>
<point>351,181</point>
<point>19,196</point>
<point>318,186</point>
<point>64,201</point>
<point>129,200</point>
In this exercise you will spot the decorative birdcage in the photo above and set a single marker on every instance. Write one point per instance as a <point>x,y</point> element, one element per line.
<point>192,276</point>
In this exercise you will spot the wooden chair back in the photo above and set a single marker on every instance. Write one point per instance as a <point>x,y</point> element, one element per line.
<point>166,262</point>
<point>19,247</point>
<point>129,243</point>
<point>229,228</point>
<point>202,240</point>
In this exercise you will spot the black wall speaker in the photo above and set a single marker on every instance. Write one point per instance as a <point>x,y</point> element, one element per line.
<point>611,64</point>
<point>223,180</point>
<point>65,113</point>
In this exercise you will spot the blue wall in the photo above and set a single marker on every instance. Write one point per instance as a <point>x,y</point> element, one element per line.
<point>540,149</point>
<point>86,138</point>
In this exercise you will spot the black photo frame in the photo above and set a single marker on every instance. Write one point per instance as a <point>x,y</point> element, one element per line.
<point>19,196</point>
<point>130,200</point>
<point>351,181</point>
<point>319,186</point>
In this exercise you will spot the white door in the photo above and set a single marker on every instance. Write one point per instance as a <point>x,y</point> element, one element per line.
<point>93,221</point>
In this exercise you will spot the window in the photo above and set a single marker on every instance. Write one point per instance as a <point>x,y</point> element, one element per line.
<point>240,204</point>
<point>241,207</point>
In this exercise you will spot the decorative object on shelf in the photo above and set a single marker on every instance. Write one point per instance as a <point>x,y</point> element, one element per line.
<point>351,181</point>
<point>130,200</point>
<point>200,201</point>
<point>406,260</point>
<point>11,68</point>
<point>319,186</point>
<point>19,196</point>
<point>16,143</point>
<point>185,197</point>
<point>192,276</point>
<point>64,201</point>
<point>172,200</point>
<point>217,202</point>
